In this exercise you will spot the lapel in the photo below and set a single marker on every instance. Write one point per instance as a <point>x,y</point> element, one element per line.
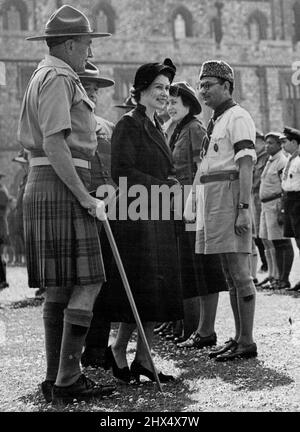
<point>155,134</point>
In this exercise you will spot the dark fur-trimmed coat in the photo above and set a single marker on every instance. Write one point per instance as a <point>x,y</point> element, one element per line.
<point>147,247</point>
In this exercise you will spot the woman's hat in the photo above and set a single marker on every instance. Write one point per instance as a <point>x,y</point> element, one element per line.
<point>67,21</point>
<point>146,74</point>
<point>184,88</point>
<point>92,73</point>
<point>127,104</point>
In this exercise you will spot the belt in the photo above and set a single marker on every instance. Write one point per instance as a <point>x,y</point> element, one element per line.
<point>233,175</point>
<point>37,161</point>
<point>271,198</point>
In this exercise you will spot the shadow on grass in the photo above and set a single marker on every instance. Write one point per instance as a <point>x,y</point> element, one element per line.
<point>271,292</point>
<point>32,301</point>
<point>249,375</point>
<point>128,398</point>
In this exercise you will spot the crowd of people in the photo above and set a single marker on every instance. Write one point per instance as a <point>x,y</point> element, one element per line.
<point>239,192</point>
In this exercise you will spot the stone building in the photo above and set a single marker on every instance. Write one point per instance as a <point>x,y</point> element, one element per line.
<point>259,38</point>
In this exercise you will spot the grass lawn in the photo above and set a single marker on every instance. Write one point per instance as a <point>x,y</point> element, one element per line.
<point>270,382</point>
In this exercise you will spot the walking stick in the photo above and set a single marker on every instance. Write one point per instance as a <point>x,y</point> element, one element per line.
<point>120,266</point>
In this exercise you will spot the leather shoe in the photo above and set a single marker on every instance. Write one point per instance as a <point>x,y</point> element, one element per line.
<point>231,343</point>
<point>197,341</point>
<point>295,288</point>
<point>283,285</point>
<point>238,352</point>
<point>264,281</point>
<point>81,390</point>
<point>46,387</point>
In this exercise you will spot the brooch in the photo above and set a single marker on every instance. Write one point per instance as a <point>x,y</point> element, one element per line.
<point>216,148</point>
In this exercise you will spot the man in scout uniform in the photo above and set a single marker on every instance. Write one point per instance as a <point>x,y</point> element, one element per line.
<point>58,128</point>
<point>97,338</point>
<point>224,218</point>
<point>291,187</point>
<point>271,223</point>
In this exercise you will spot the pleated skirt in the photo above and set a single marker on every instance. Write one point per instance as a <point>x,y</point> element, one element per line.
<point>61,239</point>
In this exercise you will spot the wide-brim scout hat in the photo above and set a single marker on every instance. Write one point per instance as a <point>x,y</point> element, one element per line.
<point>146,74</point>
<point>67,21</point>
<point>291,134</point>
<point>92,74</point>
<point>127,104</point>
<point>217,69</point>
<point>184,88</point>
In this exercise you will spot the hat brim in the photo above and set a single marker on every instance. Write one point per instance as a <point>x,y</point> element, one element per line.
<point>196,104</point>
<point>101,82</point>
<point>51,36</point>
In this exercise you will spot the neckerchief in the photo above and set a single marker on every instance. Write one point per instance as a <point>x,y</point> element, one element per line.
<point>217,113</point>
<point>178,129</point>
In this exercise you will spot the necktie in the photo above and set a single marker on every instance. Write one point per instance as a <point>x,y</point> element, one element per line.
<point>287,167</point>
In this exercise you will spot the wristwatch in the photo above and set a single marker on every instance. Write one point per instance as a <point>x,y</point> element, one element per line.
<point>242,206</point>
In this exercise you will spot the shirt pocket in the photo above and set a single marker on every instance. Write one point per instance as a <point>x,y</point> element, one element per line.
<point>83,113</point>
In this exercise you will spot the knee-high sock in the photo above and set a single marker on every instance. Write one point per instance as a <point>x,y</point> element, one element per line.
<point>261,250</point>
<point>53,314</point>
<point>2,270</point>
<point>76,325</point>
<point>284,257</point>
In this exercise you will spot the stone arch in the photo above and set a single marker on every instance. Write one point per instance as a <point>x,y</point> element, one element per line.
<point>182,23</point>
<point>104,17</point>
<point>257,24</point>
<point>14,15</point>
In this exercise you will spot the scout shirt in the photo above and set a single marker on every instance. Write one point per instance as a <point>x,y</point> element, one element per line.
<point>56,101</point>
<point>291,174</point>
<point>271,176</point>
<point>234,126</point>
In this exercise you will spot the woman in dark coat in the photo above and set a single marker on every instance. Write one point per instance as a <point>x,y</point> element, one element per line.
<point>147,246</point>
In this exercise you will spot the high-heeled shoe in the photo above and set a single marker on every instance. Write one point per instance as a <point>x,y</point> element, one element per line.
<point>122,374</point>
<point>137,370</point>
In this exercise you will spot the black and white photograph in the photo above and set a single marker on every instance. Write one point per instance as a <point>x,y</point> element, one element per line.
<point>149,211</point>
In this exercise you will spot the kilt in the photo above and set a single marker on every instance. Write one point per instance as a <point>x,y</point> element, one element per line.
<point>61,238</point>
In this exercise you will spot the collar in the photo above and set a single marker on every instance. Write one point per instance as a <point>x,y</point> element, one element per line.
<point>55,62</point>
<point>275,156</point>
<point>224,106</point>
<point>293,155</point>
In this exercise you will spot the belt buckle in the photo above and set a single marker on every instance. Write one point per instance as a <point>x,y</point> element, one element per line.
<point>231,176</point>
